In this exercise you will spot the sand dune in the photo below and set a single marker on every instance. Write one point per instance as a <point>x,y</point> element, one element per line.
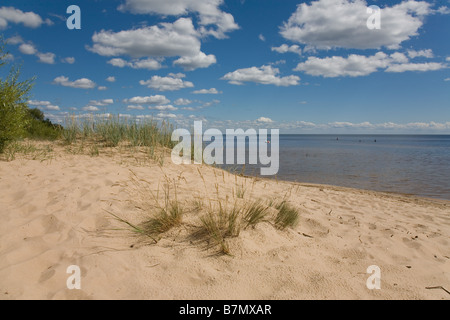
<point>54,214</point>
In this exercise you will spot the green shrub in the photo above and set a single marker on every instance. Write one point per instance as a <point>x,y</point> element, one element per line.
<point>14,116</point>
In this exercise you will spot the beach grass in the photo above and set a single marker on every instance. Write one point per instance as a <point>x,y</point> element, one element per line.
<point>254,213</point>
<point>287,215</point>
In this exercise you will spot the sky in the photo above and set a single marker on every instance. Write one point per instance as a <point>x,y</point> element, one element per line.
<point>323,66</point>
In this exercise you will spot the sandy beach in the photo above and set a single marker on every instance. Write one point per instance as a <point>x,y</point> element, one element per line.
<point>56,212</point>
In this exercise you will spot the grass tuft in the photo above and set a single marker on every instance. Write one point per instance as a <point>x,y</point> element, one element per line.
<point>287,216</point>
<point>254,213</point>
<point>219,225</point>
<point>165,219</point>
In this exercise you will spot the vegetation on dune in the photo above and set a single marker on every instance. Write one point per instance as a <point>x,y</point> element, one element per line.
<point>17,121</point>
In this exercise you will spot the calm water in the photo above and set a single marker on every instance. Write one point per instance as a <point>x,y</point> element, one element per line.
<point>413,164</point>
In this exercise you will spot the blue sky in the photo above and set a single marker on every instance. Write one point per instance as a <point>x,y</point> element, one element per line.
<point>302,67</point>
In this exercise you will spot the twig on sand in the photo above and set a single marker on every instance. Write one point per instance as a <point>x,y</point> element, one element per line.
<point>306,235</point>
<point>438,287</point>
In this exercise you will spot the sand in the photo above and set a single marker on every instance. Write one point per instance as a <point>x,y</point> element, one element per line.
<point>54,214</point>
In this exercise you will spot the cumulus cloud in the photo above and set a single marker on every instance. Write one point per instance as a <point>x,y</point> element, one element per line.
<point>262,75</point>
<point>39,103</point>
<point>27,48</point>
<point>15,40</point>
<point>102,88</point>
<point>201,60</point>
<point>212,20</point>
<point>428,53</point>
<point>163,108</point>
<point>48,57</point>
<point>431,66</point>
<point>172,82</point>
<point>353,66</point>
<point>13,15</point>
<point>447,79</point>
<point>30,49</point>
<point>135,107</point>
<point>207,91</point>
<point>182,102</point>
<point>69,60</point>
<point>111,79</point>
<point>284,48</point>
<point>177,39</point>
<point>166,115</point>
<point>261,37</point>
<point>90,109</point>
<point>82,83</point>
<point>52,108</point>
<point>156,99</point>
<point>264,120</point>
<point>149,64</point>
<point>101,103</point>
<point>166,39</point>
<point>358,65</point>
<point>326,24</point>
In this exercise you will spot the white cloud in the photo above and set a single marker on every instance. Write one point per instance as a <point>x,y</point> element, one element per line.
<point>52,108</point>
<point>262,75</point>
<point>91,109</point>
<point>156,99</point>
<point>326,24</point>
<point>39,103</point>
<point>101,103</point>
<point>430,66</point>
<point>69,60</point>
<point>208,12</point>
<point>149,64</point>
<point>163,108</point>
<point>200,60</point>
<point>83,83</point>
<point>447,79</point>
<point>447,59</point>
<point>13,15</point>
<point>428,53</point>
<point>48,57</point>
<point>15,40</point>
<point>111,79</point>
<point>102,88</point>
<point>285,48</point>
<point>27,48</point>
<point>261,37</point>
<point>166,115</point>
<point>443,10</point>
<point>353,66</point>
<point>135,107</point>
<point>264,120</point>
<point>170,83</point>
<point>182,102</point>
<point>358,65</point>
<point>168,39</point>
<point>207,91</point>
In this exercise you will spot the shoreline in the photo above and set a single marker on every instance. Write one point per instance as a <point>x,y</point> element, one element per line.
<point>343,188</point>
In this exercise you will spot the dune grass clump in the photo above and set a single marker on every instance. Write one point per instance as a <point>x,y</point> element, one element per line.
<point>254,213</point>
<point>287,215</point>
<point>221,224</point>
<point>164,220</point>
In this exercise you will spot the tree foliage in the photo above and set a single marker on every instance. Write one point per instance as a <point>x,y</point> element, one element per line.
<point>14,113</point>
